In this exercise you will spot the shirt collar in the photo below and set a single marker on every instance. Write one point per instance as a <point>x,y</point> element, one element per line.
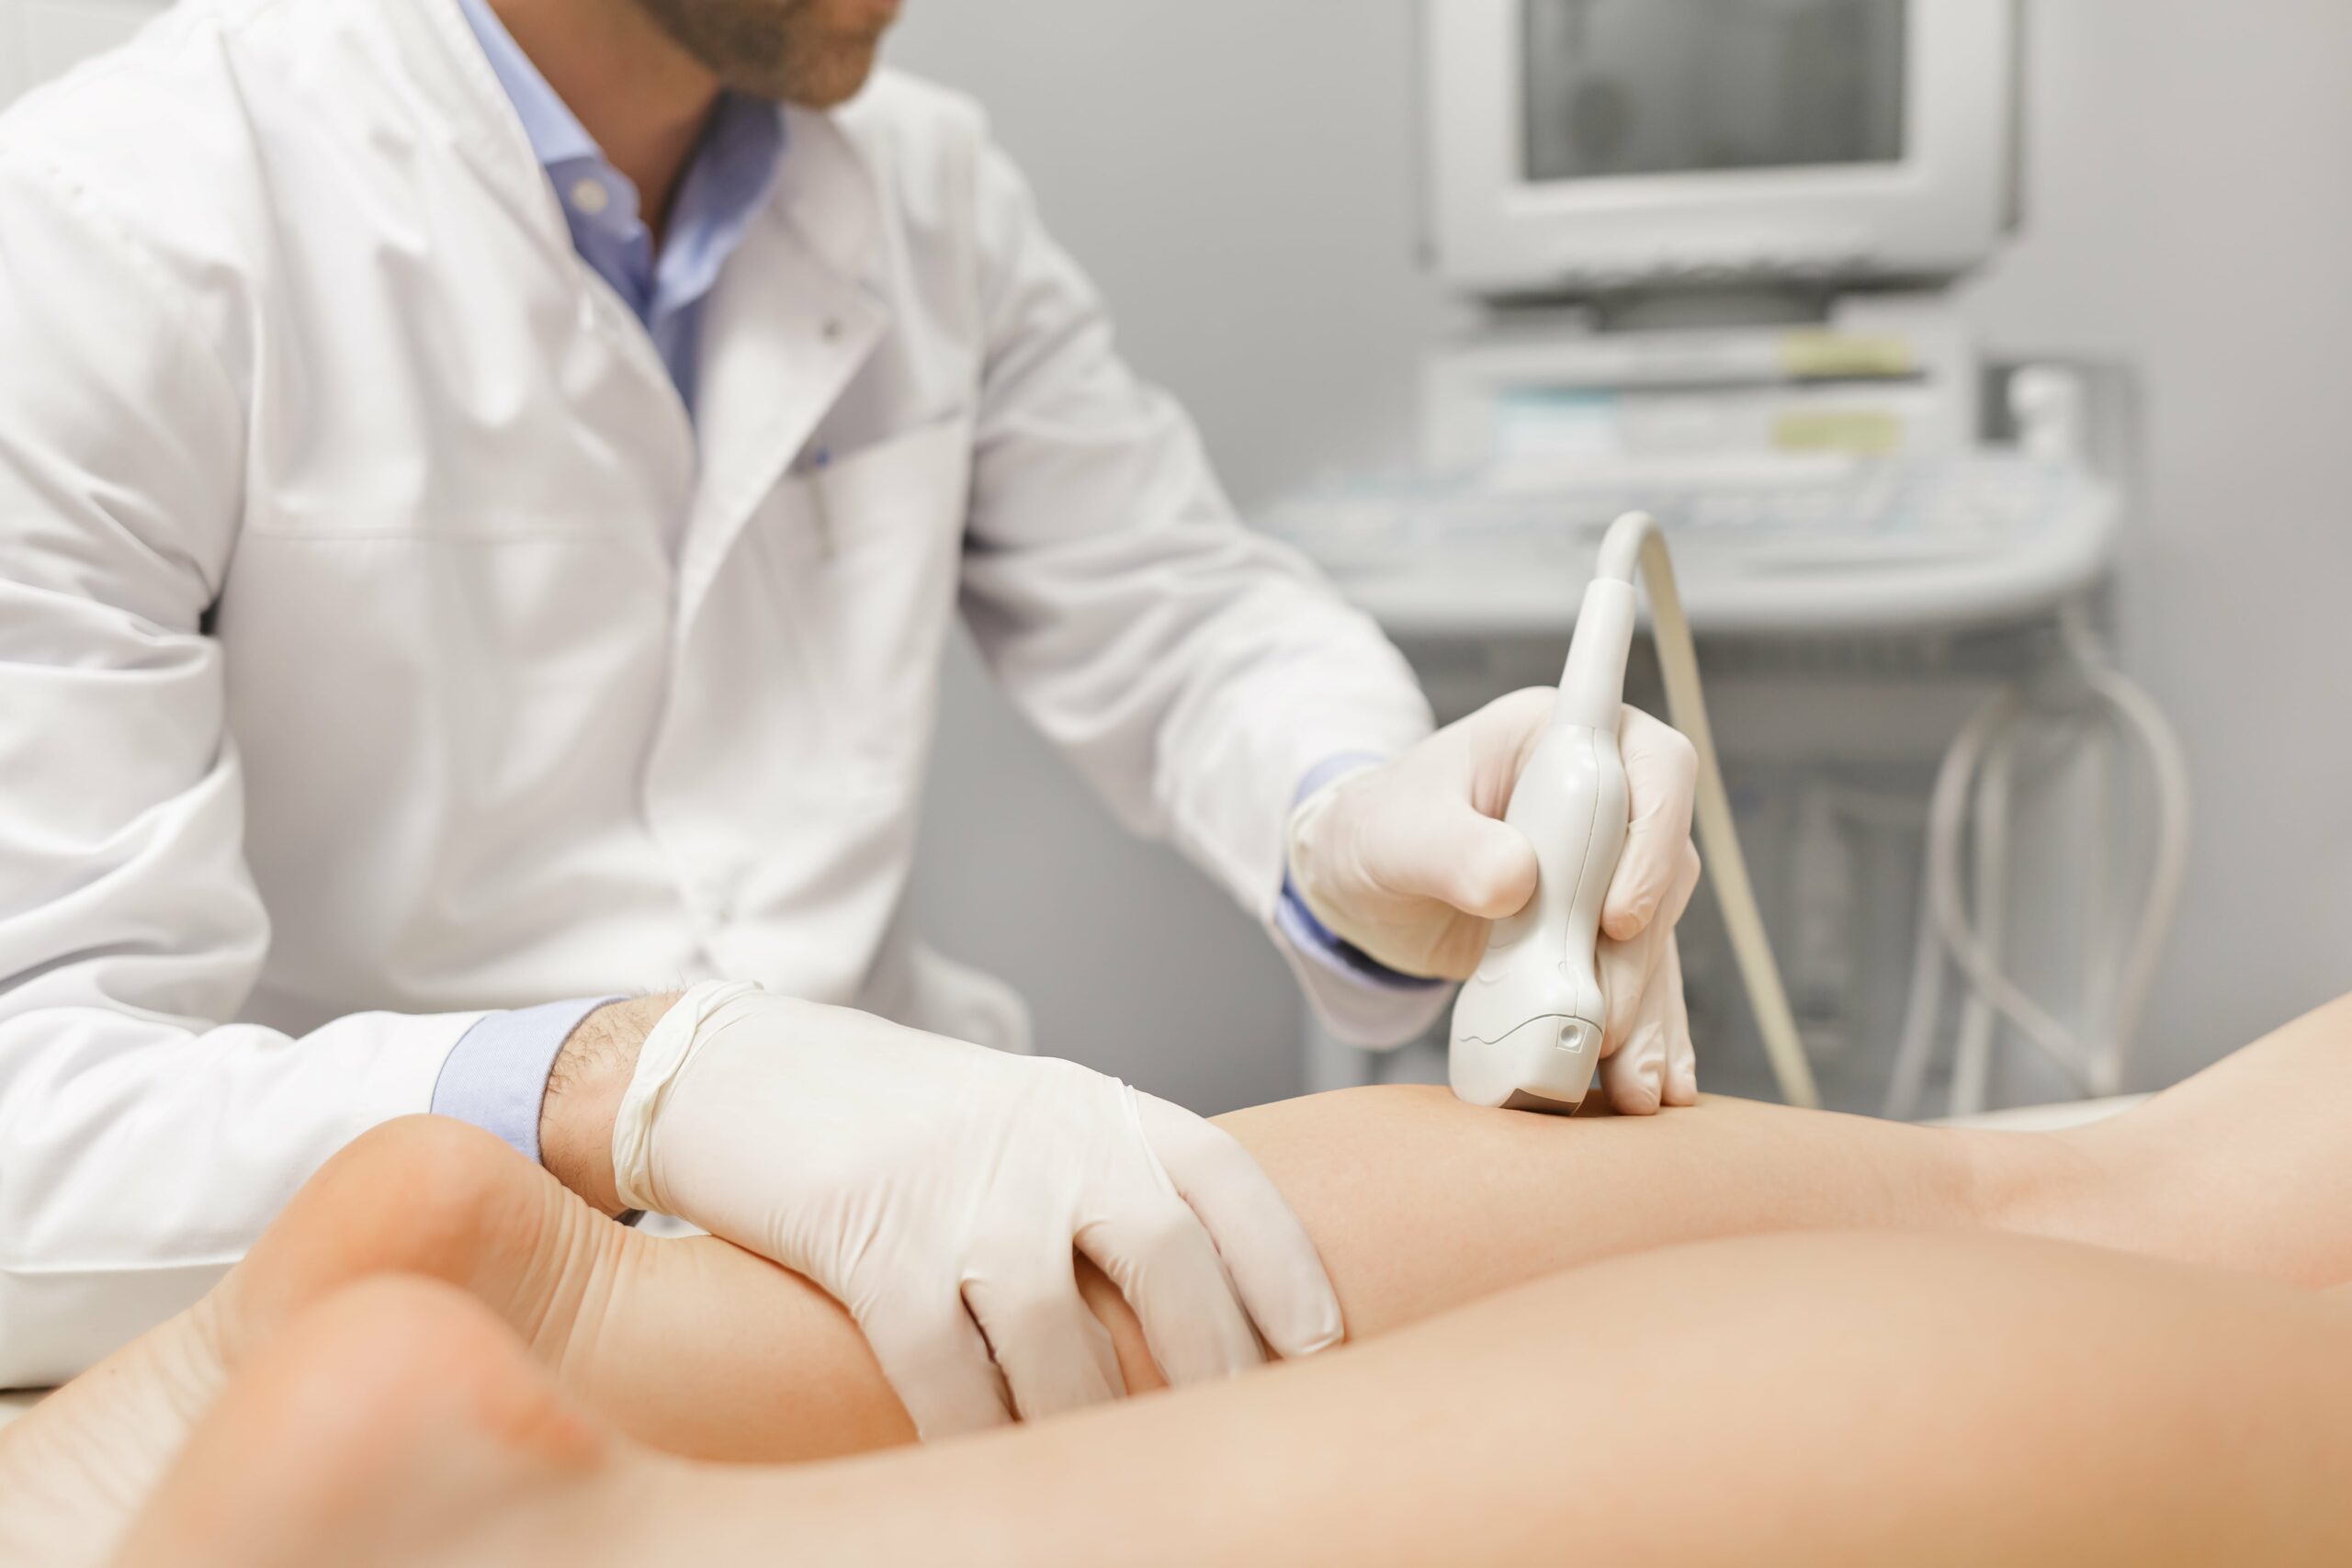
<point>556,136</point>
<point>718,193</point>
<point>727,180</point>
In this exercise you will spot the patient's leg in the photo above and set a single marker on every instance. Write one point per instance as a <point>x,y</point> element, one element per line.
<point>2247,1165</point>
<point>1418,1204</point>
<point>1824,1399</point>
<point>1417,1201</point>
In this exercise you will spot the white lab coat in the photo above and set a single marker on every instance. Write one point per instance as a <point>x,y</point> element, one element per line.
<point>379,643</point>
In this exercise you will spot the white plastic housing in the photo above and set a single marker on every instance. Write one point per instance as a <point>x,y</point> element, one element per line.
<point>1936,213</point>
<point>1528,1025</point>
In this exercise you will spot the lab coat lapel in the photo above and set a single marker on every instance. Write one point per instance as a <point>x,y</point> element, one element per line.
<point>786,330</point>
<point>433,48</point>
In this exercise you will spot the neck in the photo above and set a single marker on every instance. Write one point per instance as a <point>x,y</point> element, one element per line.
<point>642,97</point>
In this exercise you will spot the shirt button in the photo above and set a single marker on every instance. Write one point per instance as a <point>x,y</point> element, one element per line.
<point>590,196</point>
<point>833,329</point>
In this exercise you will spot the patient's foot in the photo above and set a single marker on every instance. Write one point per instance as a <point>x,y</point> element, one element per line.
<point>419,1196</point>
<point>399,1422</point>
<point>429,1196</point>
<point>74,1472</point>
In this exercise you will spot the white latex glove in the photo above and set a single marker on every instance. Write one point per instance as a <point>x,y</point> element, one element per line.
<point>1411,862</point>
<point>937,1190</point>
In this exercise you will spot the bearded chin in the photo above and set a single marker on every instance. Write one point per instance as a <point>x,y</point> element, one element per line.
<point>775,49</point>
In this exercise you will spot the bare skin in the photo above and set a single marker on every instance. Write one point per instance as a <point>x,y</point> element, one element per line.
<point>701,1349</point>
<point>1815,1399</point>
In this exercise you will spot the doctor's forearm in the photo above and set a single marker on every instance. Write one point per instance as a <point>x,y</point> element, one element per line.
<point>584,1095</point>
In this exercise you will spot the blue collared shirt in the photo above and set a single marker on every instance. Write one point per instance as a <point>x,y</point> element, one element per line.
<point>724,186</point>
<point>496,1076</point>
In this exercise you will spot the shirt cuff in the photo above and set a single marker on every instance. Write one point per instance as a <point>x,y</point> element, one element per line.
<point>1315,942</point>
<point>496,1075</point>
<point>1309,937</point>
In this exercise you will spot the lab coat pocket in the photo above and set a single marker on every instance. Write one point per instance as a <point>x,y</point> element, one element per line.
<point>869,549</point>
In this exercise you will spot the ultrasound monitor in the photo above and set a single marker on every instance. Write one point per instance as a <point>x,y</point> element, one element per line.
<point>1583,146</point>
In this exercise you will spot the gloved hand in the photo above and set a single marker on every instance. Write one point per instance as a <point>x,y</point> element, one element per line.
<point>937,1189</point>
<point>1411,863</point>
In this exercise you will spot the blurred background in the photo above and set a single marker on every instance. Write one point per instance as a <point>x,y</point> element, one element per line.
<point>1249,186</point>
<point>1277,202</point>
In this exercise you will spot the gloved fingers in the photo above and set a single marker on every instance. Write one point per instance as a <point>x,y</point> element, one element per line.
<point>1629,970</point>
<point>1681,1055</point>
<point>1661,787</point>
<point>1499,737</point>
<point>1272,1259</point>
<point>1453,853</point>
<point>937,1363</point>
<point>1626,971</point>
<point>1054,1353</point>
<point>1164,1264</point>
<point>1441,836</point>
<point>1492,873</point>
<point>1635,1078</point>
<point>1657,1065</point>
<point>1155,1249</point>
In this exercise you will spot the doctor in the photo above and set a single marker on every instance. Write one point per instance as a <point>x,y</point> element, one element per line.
<point>483,488</point>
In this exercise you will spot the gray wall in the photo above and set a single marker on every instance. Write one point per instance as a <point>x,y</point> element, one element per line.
<point>2192,209</point>
<point>1241,179</point>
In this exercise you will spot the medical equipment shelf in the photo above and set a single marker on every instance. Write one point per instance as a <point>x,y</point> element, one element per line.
<point>1779,545</point>
<point>1985,568</point>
